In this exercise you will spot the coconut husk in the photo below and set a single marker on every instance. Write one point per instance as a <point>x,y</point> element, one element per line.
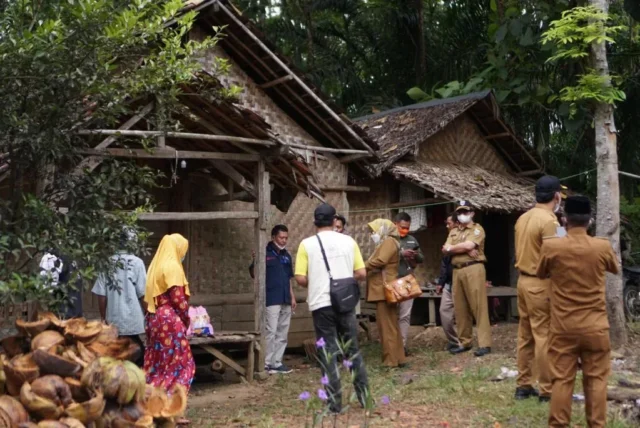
<point>51,424</point>
<point>108,334</point>
<point>144,422</point>
<point>177,402</point>
<point>19,370</point>
<point>51,363</point>
<point>53,388</point>
<point>85,354</point>
<point>15,345</point>
<point>39,407</point>
<point>32,328</point>
<point>56,323</point>
<point>78,392</point>
<point>72,423</point>
<point>81,330</point>
<point>47,340</point>
<point>28,425</point>
<point>14,410</point>
<point>155,401</point>
<point>88,411</point>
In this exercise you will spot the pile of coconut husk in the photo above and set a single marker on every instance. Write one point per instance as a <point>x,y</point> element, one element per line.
<point>77,373</point>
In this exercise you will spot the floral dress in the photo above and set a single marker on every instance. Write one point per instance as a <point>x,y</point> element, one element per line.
<point>167,358</point>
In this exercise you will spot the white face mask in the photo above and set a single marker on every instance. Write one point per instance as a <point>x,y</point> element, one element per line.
<point>464,218</point>
<point>376,238</point>
<point>182,260</point>
<point>279,247</point>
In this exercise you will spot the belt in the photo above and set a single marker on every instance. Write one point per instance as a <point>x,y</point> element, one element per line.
<point>466,264</point>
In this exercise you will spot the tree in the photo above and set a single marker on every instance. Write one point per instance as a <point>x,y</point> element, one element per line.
<point>72,64</point>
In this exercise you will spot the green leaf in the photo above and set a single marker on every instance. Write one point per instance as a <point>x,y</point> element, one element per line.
<point>527,38</point>
<point>501,33</point>
<point>515,28</point>
<point>502,95</point>
<point>417,94</point>
<point>493,5</point>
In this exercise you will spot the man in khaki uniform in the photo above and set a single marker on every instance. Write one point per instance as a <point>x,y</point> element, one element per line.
<point>533,293</point>
<point>579,328</point>
<point>465,245</point>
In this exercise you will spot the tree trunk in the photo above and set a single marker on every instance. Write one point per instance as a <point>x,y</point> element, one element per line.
<point>421,53</point>
<point>608,208</point>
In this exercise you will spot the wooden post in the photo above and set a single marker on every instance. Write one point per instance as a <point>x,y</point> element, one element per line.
<point>263,202</point>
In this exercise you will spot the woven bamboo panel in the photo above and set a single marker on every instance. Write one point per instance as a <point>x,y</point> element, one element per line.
<point>366,207</point>
<point>462,142</point>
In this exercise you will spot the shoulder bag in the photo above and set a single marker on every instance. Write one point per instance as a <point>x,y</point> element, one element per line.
<point>401,289</point>
<point>344,292</point>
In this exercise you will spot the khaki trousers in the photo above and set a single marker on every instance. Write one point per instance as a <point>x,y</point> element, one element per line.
<point>390,337</point>
<point>404,319</point>
<point>533,332</point>
<point>470,302</point>
<point>447,316</point>
<point>594,351</point>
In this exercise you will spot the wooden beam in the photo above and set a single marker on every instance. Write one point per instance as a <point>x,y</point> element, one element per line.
<point>194,216</point>
<point>295,77</point>
<point>170,154</point>
<point>162,141</point>
<point>243,196</point>
<point>497,146</point>
<point>500,135</point>
<point>331,188</point>
<point>353,158</point>
<point>417,202</point>
<point>276,81</point>
<point>184,135</point>
<point>328,149</point>
<point>228,361</point>
<point>233,174</point>
<point>262,206</point>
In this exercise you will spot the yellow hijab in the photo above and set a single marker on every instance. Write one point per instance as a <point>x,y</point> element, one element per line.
<point>165,270</point>
<point>385,228</point>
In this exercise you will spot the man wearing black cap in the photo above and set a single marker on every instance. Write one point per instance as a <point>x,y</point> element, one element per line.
<point>345,260</point>
<point>533,293</point>
<point>579,328</point>
<point>465,245</point>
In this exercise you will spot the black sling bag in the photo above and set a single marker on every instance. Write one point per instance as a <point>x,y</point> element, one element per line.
<point>344,292</point>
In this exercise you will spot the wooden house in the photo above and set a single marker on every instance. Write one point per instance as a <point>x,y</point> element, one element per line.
<point>436,153</point>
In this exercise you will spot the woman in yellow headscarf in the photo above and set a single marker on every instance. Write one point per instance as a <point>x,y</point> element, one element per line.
<point>381,266</point>
<point>167,358</point>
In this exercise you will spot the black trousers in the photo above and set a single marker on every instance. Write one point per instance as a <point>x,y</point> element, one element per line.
<point>340,333</point>
<point>136,339</point>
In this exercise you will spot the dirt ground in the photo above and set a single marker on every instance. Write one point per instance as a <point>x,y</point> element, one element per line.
<point>437,390</point>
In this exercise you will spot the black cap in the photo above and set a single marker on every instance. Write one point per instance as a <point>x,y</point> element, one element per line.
<point>577,205</point>
<point>324,214</point>
<point>549,184</point>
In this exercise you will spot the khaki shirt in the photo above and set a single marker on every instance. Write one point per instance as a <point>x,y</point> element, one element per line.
<point>531,227</point>
<point>576,265</point>
<point>385,258</point>
<point>471,232</point>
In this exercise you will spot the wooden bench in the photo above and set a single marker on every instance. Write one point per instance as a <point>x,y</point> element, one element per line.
<point>243,338</point>
<point>501,292</point>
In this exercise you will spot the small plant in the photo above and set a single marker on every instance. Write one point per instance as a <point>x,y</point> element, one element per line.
<point>319,406</point>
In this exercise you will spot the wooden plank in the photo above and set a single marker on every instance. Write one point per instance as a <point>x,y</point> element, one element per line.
<point>251,361</point>
<point>233,174</point>
<point>170,154</point>
<point>262,204</point>
<point>332,188</point>
<point>352,158</point>
<point>235,298</point>
<point>228,361</point>
<point>237,313</point>
<point>276,81</point>
<point>172,134</point>
<point>500,135</point>
<point>162,141</point>
<point>192,216</point>
<point>216,340</point>
<point>417,202</point>
<point>529,173</point>
<point>329,149</point>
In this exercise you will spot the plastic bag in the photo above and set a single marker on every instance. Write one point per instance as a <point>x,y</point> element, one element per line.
<point>200,324</point>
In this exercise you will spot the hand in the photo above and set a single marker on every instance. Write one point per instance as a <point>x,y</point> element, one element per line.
<point>294,304</point>
<point>409,254</point>
<point>473,253</point>
<point>444,250</point>
<point>438,289</point>
<point>253,254</point>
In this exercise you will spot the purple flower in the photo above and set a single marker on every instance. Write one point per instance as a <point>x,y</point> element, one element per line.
<point>322,395</point>
<point>320,343</point>
<point>385,400</point>
<point>324,380</point>
<point>347,364</point>
<point>304,396</point>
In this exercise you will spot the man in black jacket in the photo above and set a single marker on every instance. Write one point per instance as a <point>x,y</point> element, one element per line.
<point>447,316</point>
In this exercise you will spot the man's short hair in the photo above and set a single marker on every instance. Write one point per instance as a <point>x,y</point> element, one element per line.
<point>578,220</point>
<point>403,217</point>
<point>278,228</point>
<point>342,219</point>
<point>454,216</point>
<point>544,198</point>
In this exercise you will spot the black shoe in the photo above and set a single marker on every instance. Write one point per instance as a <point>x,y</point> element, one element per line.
<point>522,393</point>
<point>451,346</point>
<point>481,352</point>
<point>459,350</point>
<point>406,352</point>
<point>544,398</point>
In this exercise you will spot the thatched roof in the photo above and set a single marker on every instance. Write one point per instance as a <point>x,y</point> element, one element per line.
<point>486,190</point>
<point>400,131</point>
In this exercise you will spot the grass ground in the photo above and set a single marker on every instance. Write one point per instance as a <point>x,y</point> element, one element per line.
<point>437,390</point>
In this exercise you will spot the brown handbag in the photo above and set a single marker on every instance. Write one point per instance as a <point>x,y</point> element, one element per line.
<point>401,289</point>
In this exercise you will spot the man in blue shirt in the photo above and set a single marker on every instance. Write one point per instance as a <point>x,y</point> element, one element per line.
<point>280,299</point>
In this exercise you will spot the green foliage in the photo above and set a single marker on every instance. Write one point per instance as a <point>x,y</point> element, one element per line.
<point>71,64</point>
<point>590,87</point>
